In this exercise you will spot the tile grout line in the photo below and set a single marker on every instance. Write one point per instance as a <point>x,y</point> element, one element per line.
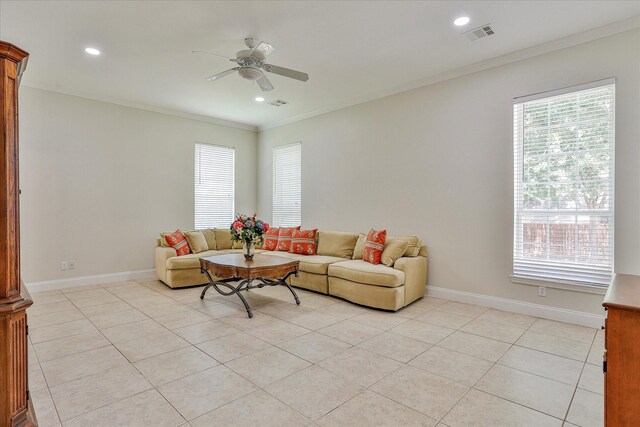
<point>437,375</point>
<point>485,374</point>
<point>46,382</point>
<point>149,381</point>
<point>131,363</point>
<point>534,409</point>
<point>575,390</point>
<point>55,407</point>
<point>113,345</point>
<point>85,376</point>
<point>110,344</point>
<point>351,346</point>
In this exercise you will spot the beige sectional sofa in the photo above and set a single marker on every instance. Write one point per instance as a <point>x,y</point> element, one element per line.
<point>337,269</point>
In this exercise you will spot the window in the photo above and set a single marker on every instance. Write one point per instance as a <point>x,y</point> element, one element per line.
<point>214,186</point>
<point>287,185</point>
<point>564,158</point>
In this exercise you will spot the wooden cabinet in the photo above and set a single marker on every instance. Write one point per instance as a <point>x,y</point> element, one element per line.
<point>14,393</point>
<point>621,363</point>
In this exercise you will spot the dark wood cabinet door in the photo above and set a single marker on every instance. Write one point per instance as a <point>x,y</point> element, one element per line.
<point>14,389</point>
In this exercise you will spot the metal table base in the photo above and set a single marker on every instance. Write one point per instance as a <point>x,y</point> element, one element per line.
<point>245,285</point>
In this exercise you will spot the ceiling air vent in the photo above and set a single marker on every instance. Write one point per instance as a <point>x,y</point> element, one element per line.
<point>278,102</point>
<point>478,33</point>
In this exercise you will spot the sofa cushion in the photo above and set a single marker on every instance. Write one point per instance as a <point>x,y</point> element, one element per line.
<point>271,239</point>
<point>374,245</point>
<point>188,261</point>
<point>281,254</point>
<point>284,238</point>
<point>414,244</point>
<point>360,271</point>
<point>393,249</point>
<point>336,243</point>
<point>210,236</point>
<point>178,241</point>
<point>317,264</point>
<point>234,251</point>
<point>197,242</point>
<point>223,238</point>
<point>303,242</point>
<point>163,238</point>
<point>358,251</point>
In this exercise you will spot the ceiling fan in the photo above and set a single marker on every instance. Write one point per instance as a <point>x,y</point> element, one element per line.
<point>251,65</point>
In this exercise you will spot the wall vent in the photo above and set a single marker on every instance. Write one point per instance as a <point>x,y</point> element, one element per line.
<point>478,33</point>
<point>278,102</point>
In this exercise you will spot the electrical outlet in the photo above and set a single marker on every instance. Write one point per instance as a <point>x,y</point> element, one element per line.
<point>72,265</point>
<point>542,291</point>
<point>65,265</point>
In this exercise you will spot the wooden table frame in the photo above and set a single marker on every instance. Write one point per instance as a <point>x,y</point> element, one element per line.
<point>267,270</point>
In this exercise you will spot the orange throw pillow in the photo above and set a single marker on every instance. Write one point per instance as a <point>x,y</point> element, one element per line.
<point>271,239</point>
<point>178,241</point>
<point>284,238</point>
<point>374,245</point>
<point>303,242</point>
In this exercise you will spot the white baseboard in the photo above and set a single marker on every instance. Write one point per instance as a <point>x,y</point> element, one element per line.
<point>538,310</point>
<point>74,282</point>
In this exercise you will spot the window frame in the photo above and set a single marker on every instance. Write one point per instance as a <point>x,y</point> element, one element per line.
<point>197,144</point>
<point>275,218</point>
<point>519,211</point>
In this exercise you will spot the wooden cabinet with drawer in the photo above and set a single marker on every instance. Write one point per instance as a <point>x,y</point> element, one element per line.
<point>621,359</point>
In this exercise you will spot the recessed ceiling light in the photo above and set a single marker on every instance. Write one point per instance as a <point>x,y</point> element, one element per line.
<point>92,51</point>
<point>463,20</point>
<point>259,98</point>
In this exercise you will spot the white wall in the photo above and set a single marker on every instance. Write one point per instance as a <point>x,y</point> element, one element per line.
<point>438,162</point>
<point>99,182</point>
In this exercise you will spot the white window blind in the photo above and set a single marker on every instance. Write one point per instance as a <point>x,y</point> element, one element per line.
<point>564,178</point>
<point>287,185</point>
<point>214,186</point>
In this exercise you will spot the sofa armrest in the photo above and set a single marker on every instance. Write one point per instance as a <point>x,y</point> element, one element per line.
<point>415,277</point>
<point>162,255</point>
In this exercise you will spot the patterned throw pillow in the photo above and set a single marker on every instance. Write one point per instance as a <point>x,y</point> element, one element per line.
<point>271,239</point>
<point>284,238</point>
<point>303,242</point>
<point>178,241</point>
<point>374,246</point>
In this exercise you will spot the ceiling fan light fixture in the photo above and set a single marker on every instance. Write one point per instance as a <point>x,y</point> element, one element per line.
<point>250,73</point>
<point>92,51</point>
<point>259,99</point>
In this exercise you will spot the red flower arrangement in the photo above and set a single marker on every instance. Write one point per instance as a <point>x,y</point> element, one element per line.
<point>249,230</point>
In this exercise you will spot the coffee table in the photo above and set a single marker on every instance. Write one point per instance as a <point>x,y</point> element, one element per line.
<point>267,270</point>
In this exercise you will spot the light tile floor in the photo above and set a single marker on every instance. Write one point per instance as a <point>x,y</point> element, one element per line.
<point>140,354</point>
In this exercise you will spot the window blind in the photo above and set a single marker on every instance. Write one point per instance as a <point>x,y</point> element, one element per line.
<point>564,185</point>
<point>287,185</point>
<point>214,186</point>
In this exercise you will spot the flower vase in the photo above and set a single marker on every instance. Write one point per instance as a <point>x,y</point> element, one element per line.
<point>248,249</point>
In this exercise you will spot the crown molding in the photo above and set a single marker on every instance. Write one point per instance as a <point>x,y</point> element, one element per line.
<point>153,109</point>
<point>552,46</point>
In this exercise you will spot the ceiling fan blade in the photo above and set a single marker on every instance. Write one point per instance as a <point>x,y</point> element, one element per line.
<point>264,83</point>
<point>263,50</point>
<point>202,52</point>
<point>298,75</point>
<point>222,74</point>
